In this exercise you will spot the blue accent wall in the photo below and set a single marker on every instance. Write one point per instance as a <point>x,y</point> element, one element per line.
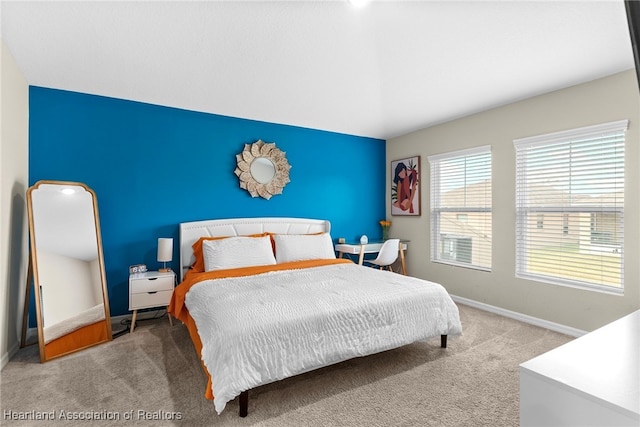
<point>153,167</point>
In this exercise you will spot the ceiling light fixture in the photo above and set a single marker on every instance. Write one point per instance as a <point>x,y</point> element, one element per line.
<point>68,191</point>
<point>359,3</point>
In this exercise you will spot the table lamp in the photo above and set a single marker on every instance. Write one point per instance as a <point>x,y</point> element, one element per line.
<point>165,252</point>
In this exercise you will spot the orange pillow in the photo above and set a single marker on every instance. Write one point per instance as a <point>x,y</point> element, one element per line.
<point>198,265</point>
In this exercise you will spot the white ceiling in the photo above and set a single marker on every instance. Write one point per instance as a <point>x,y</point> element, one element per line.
<point>380,71</point>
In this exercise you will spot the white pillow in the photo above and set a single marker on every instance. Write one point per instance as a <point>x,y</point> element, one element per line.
<point>299,247</point>
<point>237,252</point>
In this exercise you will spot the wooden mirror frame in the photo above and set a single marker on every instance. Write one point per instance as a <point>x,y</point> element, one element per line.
<point>269,151</point>
<point>80,336</point>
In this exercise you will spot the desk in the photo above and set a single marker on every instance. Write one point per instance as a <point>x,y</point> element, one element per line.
<point>369,248</point>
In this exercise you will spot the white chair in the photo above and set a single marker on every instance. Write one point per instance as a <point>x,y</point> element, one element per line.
<point>388,254</point>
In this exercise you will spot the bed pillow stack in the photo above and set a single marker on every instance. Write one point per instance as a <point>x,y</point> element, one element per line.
<point>237,252</point>
<point>221,253</point>
<point>198,265</point>
<point>300,247</point>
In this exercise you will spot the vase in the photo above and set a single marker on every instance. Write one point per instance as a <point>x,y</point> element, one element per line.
<point>385,233</point>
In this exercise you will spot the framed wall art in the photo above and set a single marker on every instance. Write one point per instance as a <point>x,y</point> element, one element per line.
<point>405,188</point>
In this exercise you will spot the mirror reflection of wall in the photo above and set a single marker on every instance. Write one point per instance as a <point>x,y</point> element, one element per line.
<point>263,170</point>
<point>56,305</point>
<point>68,267</point>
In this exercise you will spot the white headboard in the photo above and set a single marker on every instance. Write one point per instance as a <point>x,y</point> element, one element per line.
<point>190,232</point>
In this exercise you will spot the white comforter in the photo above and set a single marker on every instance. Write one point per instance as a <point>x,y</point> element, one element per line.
<point>263,328</point>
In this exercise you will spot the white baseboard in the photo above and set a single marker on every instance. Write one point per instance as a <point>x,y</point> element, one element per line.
<point>8,355</point>
<point>557,327</point>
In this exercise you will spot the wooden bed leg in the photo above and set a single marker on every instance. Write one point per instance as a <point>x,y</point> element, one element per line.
<point>244,404</point>
<point>443,341</point>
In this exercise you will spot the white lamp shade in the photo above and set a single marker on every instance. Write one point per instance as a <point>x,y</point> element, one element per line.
<point>165,249</point>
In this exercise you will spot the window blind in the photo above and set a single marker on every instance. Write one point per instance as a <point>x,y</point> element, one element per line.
<point>461,218</point>
<point>570,207</point>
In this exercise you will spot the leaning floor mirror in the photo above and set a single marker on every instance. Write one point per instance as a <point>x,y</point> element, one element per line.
<point>67,266</point>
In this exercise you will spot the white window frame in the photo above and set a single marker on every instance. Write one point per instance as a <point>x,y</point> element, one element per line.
<point>437,209</point>
<point>523,210</point>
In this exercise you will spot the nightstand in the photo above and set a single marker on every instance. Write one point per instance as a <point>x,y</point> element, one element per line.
<point>150,289</point>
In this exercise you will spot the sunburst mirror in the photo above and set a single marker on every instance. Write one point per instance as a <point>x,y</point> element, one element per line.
<point>263,169</point>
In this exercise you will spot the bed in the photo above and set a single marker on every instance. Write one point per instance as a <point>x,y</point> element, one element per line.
<point>265,299</point>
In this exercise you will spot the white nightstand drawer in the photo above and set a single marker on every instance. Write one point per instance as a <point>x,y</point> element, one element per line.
<point>155,299</point>
<point>150,289</point>
<point>150,284</point>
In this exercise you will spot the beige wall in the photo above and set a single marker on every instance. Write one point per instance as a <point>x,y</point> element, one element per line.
<point>60,272</point>
<point>612,98</point>
<point>14,144</point>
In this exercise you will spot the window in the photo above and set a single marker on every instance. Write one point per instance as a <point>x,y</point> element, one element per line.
<point>461,208</point>
<point>456,248</point>
<point>576,180</point>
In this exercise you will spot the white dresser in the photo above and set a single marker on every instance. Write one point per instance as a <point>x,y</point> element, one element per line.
<point>593,380</point>
<point>150,289</point>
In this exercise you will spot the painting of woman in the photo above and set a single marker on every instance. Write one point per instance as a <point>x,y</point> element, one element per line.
<point>405,195</point>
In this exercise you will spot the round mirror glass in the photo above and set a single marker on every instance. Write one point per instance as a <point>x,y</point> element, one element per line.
<point>263,170</point>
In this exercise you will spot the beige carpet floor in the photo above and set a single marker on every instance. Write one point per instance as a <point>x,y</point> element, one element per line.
<point>153,378</point>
